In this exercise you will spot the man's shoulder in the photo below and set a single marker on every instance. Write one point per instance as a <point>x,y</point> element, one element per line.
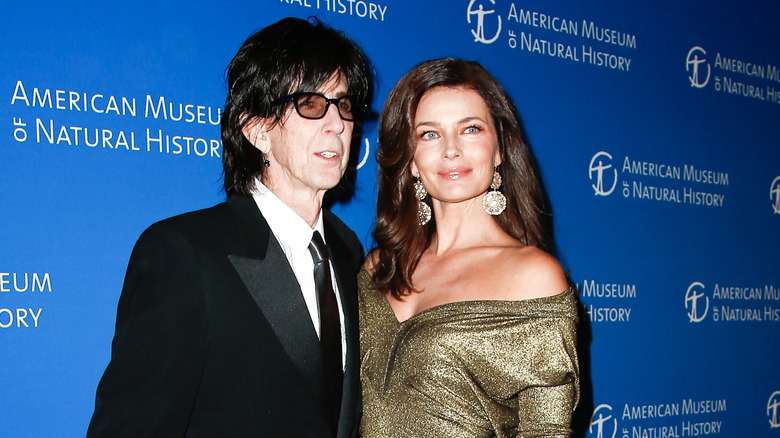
<point>192,225</point>
<point>330,218</point>
<point>339,227</point>
<point>345,234</point>
<point>196,219</point>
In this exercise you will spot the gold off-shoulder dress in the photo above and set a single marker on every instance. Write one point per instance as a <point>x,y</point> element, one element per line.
<point>468,369</point>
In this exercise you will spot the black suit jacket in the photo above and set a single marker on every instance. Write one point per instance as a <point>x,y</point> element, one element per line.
<point>213,338</point>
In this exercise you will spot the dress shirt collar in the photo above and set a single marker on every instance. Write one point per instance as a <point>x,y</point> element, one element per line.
<point>292,232</point>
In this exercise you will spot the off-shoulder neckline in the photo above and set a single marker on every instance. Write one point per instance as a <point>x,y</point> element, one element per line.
<point>514,304</point>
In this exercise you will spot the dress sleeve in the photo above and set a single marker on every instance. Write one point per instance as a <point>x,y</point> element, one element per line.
<point>546,405</point>
<point>159,346</point>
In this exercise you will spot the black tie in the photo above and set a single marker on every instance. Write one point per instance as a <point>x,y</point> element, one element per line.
<point>330,330</point>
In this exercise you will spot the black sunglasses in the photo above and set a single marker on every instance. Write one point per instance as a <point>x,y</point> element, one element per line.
<point>314,105</point>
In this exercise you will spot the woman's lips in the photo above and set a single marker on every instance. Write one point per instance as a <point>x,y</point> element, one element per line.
<point>453,174</point>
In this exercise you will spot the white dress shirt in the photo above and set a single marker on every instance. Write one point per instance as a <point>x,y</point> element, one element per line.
<point>294,236</point>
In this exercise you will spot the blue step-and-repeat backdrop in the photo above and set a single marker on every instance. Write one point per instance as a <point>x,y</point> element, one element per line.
<point>656,126</point>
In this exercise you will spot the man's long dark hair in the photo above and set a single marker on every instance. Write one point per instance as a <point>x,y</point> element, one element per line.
<point>289,56</point>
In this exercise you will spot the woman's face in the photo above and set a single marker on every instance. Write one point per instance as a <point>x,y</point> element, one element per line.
<point>456,144</point>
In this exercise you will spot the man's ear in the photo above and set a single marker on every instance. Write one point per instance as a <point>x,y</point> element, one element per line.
<point>255,132</point>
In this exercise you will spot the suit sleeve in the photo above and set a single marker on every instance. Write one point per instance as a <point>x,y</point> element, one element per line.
<point>159,347</point>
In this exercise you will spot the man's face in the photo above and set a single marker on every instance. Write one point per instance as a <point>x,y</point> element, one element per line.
<point>308,157</point>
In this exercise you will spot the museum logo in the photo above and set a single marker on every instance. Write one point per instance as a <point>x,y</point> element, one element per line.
<point>602,423</point>
<point>696,303</point>
<point>774,194</point>
<point>698,69</point>
<point>653,180</point>
<point>602,174</point>
<point>732,74</point>
<point>771,410</point>
<point>485,21</point>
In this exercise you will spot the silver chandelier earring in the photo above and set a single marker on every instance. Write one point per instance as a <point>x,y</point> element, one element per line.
<point>423,210</point>
<point>494,202</point>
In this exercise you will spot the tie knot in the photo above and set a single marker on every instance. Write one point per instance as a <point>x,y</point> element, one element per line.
<point>319,252</point>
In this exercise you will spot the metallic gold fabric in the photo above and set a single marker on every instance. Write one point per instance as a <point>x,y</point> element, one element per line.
<point>468,369</point>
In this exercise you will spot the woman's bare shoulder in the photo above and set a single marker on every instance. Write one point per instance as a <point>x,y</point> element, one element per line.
<point>536,273</point>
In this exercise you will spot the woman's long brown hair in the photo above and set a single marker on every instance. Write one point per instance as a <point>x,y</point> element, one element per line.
<point>400,239</point>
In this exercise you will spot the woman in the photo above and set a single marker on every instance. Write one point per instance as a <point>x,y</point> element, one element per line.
<point>467,324</point>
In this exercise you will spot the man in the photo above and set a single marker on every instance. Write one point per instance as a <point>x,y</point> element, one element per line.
<point>220,318</point>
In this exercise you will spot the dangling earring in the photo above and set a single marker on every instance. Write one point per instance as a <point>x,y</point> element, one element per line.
<point>494,201</point>
<point>266,163</point>
<point>423,210</point>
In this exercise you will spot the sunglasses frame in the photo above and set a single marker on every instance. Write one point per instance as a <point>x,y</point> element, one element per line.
<point>295,97</point>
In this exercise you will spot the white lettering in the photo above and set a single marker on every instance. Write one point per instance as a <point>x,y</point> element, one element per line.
<point>19,316</point>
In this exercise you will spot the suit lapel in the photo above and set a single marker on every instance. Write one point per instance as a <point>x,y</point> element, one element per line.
<point>268,277</point>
